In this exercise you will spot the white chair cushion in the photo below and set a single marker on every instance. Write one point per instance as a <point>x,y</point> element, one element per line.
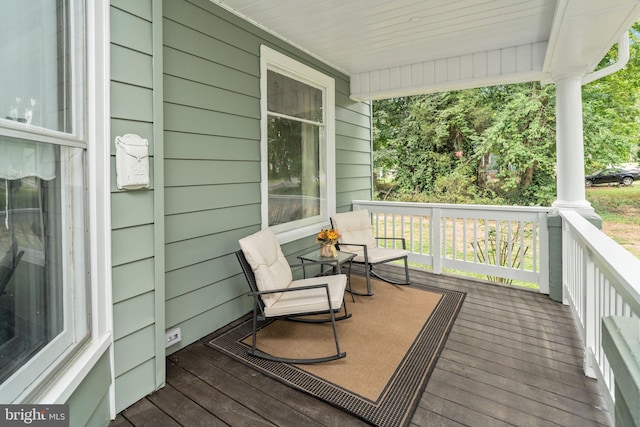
<point>354,227</point>
<point>268,263</point>
<point>377,255</point>
<point>309,300</point>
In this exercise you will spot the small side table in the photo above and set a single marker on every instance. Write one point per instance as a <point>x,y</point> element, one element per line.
<point>336,263</point>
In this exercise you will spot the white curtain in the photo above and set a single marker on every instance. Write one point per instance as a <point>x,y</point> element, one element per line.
<point>26,158</point>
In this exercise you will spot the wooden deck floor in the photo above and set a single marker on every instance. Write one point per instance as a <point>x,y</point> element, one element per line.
<point>513,358</point>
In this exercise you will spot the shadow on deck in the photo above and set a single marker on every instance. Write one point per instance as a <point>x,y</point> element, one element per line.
<point>514,357</point>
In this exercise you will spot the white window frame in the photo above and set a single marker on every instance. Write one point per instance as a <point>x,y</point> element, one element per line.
<point>271,60</point>
<point>61,378</point>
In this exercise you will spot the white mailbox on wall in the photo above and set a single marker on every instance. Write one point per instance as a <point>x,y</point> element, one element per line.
<point>132,162</point>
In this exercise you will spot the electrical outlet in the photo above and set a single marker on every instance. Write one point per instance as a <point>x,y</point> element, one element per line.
<point>172,336</point>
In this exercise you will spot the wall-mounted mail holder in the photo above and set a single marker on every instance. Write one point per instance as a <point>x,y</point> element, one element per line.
<point>132,162</point>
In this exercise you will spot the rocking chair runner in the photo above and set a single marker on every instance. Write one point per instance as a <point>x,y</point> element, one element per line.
<point>356,236</point>
<point>276,295</point>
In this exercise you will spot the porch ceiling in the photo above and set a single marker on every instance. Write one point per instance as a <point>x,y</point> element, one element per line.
<point>402,47</point>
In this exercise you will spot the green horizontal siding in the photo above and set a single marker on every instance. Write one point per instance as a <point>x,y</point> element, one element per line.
<point>139,8</point>
<point>89,403</point>
<point>204,299</point>
<point>193,251</point>
<point>134,384</point>
<point>212,159</point>
<point>204,172</point>
<point>179,36</point>
<point>201,17</point>
<point>206,197</point>
<point>210,147</point>
<point>195,224</point>
<point>189,119</point>
<point>193,277</point>
<point>136,204</point>
<point>130,30</point>
<point>348,157</point>
<point>129,66</point>
<point>348,130</point>
<point>353,144</point>
<point>131,244</point>
<point>354,184</point>
<point>200,95</point>
<point>352,171</point>
<point>134,216</point>
<point>199,326</point>
<point>133,278</point>
<point>131,102</point>
<point>189,67</point>
<point>133,314</point>
<point>129,354</point>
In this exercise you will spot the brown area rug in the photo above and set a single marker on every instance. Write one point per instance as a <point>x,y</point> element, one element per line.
<point>392,343</point>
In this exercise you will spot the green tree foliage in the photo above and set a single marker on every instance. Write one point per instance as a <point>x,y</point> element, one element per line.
<point>436,128</point>
<point>522,136</point>
<point>611,110</point>
<point>439,145</point>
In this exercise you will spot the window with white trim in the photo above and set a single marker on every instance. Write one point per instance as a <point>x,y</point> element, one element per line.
<point>297,146</point>
<point>45,290</point>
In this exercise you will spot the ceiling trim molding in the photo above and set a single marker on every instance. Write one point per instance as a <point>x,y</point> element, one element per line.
<point>515,64</point>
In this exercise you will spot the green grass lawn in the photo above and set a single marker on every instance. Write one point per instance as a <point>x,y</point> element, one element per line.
<point>619,208</point>
<point>616,204</point>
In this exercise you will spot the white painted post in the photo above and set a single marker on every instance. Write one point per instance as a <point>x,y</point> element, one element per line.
<point>570,145</point>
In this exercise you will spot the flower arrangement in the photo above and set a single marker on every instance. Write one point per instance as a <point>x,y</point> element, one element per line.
<point>328,235</point>
<point>327,238</point>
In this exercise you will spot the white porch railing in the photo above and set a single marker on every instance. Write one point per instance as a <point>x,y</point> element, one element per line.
<point>599,279</point>
<point>499,242</point>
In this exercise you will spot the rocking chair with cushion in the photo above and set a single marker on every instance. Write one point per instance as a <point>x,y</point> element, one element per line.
<point>276,295</point>
<point>356,236</point>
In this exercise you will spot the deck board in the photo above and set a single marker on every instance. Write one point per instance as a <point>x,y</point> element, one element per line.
<point>513,357</point>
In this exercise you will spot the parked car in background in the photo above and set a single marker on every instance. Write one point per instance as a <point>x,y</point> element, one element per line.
<point>612,175</point>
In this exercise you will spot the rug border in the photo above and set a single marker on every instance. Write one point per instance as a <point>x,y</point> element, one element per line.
<point>392,408</point>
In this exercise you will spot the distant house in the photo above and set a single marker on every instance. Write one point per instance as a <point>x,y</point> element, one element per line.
<point>242,126</point>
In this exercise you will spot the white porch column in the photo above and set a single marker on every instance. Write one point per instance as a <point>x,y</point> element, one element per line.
<point>570,146</point>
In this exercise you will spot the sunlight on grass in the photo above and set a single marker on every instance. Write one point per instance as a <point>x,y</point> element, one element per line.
<point>619,208</point>
<point>616,204</point>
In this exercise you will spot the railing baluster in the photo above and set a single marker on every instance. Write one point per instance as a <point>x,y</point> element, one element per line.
<point>489,242</point>
<point>411,245</point>
<point>464,239</point>
<point>534,239</point>
<point>486,241</point>
<point>454,240</point>
<point>475,240</point>
<point>421,235</point>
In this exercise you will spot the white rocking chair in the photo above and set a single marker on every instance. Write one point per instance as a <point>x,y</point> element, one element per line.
<point>356,236</point>
<point>276,295</point>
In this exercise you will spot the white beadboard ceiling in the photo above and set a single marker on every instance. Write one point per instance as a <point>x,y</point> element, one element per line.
<point>392,47</point>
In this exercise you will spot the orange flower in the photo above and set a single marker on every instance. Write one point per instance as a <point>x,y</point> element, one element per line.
<point>328,235</point>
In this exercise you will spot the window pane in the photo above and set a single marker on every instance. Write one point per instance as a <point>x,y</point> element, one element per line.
<point>293,170</point>
<point>293,98</point>
<point>44,282</point>
<point>32,267</point>
<point>35,87</point>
